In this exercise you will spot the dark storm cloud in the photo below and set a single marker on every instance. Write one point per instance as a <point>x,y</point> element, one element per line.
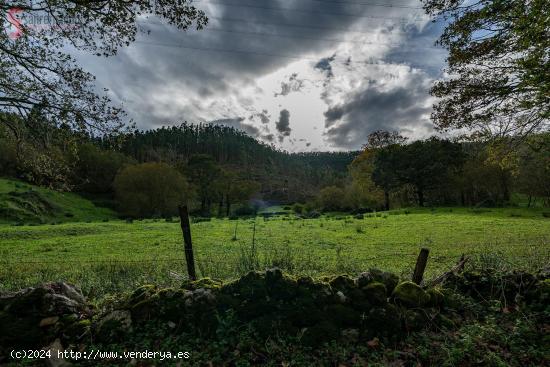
<point>283,124</point>
<point>223,58</point>
<point>402,108</point>
<point>420,51</point>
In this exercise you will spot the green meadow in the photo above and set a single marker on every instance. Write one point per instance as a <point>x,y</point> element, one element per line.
<point>114,255</point>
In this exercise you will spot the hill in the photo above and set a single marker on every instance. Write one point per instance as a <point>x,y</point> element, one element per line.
<point>24,203</point>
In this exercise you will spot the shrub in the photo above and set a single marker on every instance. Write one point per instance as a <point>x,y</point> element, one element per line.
<point>150,190</point>
<point>332,198</point>
<point>298,208</point>
<point>96,168</point>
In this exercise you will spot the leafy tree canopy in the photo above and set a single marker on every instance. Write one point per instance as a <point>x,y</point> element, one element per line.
<point>498,66</point>
<point>36,70</point>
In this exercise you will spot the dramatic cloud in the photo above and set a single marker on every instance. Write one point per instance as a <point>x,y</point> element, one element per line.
<point>292,85</point>
<point>255,59</point>
<point>283,125</point>
<point>383,105</point>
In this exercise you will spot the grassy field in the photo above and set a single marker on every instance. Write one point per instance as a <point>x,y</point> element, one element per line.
<point>23,203</point>
<point>104,257</point>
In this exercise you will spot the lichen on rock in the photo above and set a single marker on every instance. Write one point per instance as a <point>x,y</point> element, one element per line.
<point>410,294</point>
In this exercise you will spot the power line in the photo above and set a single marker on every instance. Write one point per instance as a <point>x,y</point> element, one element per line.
<point>306,11</point>
<point>400,6</point>
<point>278,24</point>
<point>265,54</point>
<point>340,40</point>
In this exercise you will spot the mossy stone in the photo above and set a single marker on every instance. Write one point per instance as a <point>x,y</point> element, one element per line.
<point>141,294</point>
<point>114,326</point>
<point>28,302</point>
<point>437,298</point>
<point>251,286</point>
<point>343,283</point>
<point>410,294</point>
<point>376,293</point>
<point>206,283</point>
<point>390,280</point>
<point>343,316</point>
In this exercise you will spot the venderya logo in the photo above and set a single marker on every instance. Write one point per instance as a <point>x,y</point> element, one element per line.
<point>20,21</point>
<point>15,29</point>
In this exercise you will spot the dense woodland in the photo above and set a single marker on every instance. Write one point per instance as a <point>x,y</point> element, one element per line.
<point>222,171</point>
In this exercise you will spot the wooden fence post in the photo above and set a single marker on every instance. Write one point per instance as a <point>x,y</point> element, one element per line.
<point>420,266</point>
<point>188,245</point>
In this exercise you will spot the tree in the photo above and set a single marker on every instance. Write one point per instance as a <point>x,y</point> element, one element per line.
<point>150,189</point>
<point>332,198</point>
<point>238,191</point>
<point>363,189</point>
<point>35,68</point>
<point>427,164</point>
<point>97,168</point>
<point>205,175</point>
<point>498,66</point>
<point>381,139</point>
<point>386,168</point>
<point>533,178</point>
<point>377,164</point>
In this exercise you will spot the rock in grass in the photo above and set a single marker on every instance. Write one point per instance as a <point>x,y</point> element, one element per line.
<point>411,295</point>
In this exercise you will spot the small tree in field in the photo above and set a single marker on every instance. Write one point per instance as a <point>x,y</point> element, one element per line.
<point>332,198</point>
<point>150,189</point>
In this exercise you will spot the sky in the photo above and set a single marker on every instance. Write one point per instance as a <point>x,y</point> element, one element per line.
<point>303,75</point>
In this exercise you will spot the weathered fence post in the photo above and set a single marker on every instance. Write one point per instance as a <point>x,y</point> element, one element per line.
<point>188,245</point>
<point>420,266</point>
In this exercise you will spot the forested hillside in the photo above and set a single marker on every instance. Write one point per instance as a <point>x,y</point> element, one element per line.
<point>222,171</point>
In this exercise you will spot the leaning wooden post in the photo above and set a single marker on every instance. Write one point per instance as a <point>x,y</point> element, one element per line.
<point>420,266</point>
<point>188,245</point>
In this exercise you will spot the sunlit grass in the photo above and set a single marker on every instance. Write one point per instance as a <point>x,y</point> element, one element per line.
<point>112,256</point>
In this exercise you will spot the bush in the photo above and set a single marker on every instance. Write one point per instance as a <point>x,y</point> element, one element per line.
<point>96,168</point>
<point>150,190</point>
<point>332,198</point>
<point>298,208</point>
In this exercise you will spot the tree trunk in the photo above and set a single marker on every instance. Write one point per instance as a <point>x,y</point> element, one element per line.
<point>220,207</point>
<point>386,200</point>
<point>227,206</point>
<point>203,204</point>
<point>529,203</point>
<point>505,189</point>
<point>420,194</point>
